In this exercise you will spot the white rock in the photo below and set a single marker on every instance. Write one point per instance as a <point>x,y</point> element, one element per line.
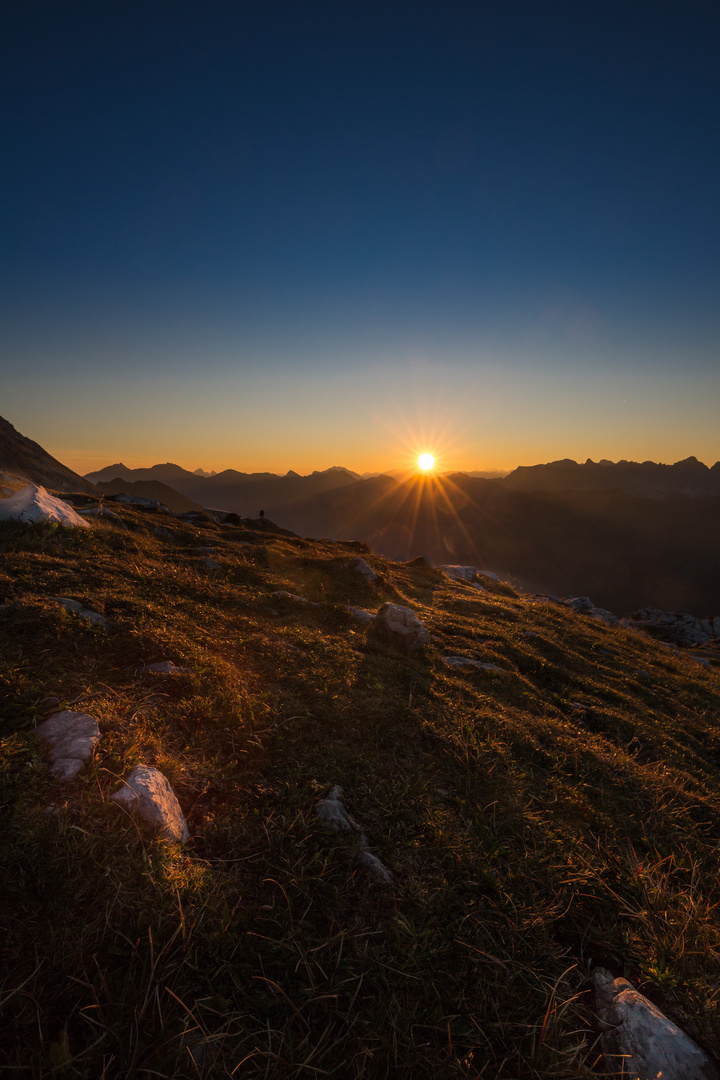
<point>33,504</point>
<point>81,611</point>
<point>459,573</point>
<point>364,569</point>
<point>72,737</point>
<point>400,626</point>
<point>147,793</point>
<point>639,1041</point>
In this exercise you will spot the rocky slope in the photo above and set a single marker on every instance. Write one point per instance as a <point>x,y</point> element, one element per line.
<point>21,459</point>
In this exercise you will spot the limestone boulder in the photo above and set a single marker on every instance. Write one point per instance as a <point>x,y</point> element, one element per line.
<point>399,626</point>
<point>33,504</point>
<point>148,794</point>
<point>639,1042</point>
<point>71,738</point>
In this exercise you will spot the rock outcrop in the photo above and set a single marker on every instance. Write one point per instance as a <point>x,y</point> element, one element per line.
<point>675,627</point>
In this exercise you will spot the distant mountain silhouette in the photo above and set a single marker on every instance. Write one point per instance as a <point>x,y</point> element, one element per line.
<point>646,479</point>
<point>21,457</point>
<point>243,493</point>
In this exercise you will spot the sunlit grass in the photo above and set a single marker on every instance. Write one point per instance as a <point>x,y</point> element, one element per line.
<point>560,813</point>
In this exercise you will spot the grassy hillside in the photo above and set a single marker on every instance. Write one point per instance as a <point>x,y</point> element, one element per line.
<point>539,820</point>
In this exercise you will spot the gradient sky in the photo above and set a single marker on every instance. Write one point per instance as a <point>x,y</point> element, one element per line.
<point>293,235</point>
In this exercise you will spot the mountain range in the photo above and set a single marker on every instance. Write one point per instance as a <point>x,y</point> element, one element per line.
<point>629,534</point>
<point>241,493</point>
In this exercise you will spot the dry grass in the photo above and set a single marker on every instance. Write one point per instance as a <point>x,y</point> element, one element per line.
<point>560,813</point>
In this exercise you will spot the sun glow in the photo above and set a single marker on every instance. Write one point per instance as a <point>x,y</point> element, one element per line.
<point>426,462</point>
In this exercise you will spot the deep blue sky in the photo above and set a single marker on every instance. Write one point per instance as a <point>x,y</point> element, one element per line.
<point>495,225</point>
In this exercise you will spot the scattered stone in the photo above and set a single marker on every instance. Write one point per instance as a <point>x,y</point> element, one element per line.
<point>283,594</point>
<point>639,1041</point>
<point>359,566</point>
<point>459,573</point>
<point>163,533</point>
<point>605,616</point>
<point>489,574</point>
<point>400,626</point>
<point>81,611</point>
<point>166,667</point>
<point>104,514</point>
<point>333,815</point>
<point>374,866</point>
<point>33,504</point>
<point>583,605</point>
<point>206,549</point>
<point>147,793</point>
<point>72,737</point>
<point>701,660</point>
<point>468,662</point>
<point>195,517</point>
<point>210,564</point>
<point>362,616</point>
<point>479,587</point>
<point>675,627</point>
<point>140,501</point>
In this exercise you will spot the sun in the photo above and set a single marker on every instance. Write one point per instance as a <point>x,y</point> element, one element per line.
<point>426,462</point>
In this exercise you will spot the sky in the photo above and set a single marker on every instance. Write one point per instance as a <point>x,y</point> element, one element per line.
<point>296,235</point>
